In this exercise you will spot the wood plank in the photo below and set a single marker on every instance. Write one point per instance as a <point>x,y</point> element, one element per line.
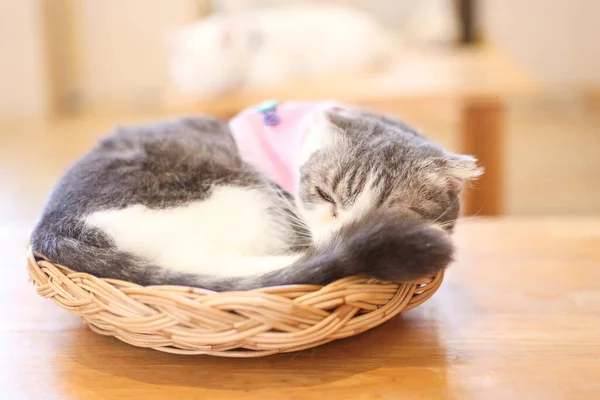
<point>482,135</point>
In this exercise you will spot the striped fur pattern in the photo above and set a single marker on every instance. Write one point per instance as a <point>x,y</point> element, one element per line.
<point>367,162</point>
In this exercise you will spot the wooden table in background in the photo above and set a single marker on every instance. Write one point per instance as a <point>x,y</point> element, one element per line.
<point>479,79</point>
<point>518,317</point>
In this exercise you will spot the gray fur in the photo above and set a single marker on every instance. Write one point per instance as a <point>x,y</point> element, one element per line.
<point>177,162</point>
<point>409,172</point>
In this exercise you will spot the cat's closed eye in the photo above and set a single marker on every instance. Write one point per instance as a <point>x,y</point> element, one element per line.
<point>324,195</point>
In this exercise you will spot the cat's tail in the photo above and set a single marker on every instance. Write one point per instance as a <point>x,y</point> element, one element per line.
<point>382,245</point>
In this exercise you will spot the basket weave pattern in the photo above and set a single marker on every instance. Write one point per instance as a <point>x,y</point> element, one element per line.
<point>253,323</point>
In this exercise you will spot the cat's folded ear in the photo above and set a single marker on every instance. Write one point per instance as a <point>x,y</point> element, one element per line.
<point>330,123</point>
<point>455,170</point>
<point>337,117</point>
<point>462,169</point>
<point>320,131</point>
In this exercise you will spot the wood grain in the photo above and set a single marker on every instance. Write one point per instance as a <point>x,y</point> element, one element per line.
<point>482,135</point>
<point>517,317</point>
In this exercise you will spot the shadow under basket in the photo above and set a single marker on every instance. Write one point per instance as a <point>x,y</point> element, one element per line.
<point>254,323</point>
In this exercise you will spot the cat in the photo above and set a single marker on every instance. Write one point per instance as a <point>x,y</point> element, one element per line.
<point>173,203</point>
<point>414,23</point>
<point>271,46</point>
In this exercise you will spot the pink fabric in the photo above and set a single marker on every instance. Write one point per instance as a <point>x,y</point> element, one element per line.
<point>274,149</point>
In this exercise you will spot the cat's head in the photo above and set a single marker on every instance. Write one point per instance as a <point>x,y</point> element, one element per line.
<point>354,162</point>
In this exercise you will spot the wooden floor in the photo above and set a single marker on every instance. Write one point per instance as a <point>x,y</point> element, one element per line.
<point>517,317</point>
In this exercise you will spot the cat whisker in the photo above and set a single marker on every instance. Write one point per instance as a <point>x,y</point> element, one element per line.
<point>444,212</point>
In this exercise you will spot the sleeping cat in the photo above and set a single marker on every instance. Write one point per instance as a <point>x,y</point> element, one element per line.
<point>174,203</point>
<point>271,46</point>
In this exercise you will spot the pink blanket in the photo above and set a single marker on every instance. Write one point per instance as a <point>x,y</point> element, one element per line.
<point>269,137</point>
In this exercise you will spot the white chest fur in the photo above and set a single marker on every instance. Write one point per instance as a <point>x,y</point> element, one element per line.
<point>230,234</point>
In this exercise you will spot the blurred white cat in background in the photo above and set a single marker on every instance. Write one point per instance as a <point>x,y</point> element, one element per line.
<point>257,48</point>
<point>261,43</point>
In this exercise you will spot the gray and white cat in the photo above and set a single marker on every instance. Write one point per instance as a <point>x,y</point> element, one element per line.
<point>173,203</point>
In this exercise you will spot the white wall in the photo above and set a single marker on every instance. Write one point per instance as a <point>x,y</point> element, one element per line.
<point>23,84</point>
<point>121,50</point>
<point>557,40</point>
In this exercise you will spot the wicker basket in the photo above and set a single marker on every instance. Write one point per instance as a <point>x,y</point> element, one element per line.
<point>254,323</point>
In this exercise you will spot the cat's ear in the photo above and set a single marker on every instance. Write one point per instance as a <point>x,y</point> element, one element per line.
<point>326,123</point>
<point>322,128</point>
<point>455,170</point>
<point>338,117</point>
<point>225,37</point>
<point>464,167</point>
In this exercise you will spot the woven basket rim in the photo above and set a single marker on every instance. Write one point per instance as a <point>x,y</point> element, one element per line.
<point>295,285</point>
<point>252,323</point>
